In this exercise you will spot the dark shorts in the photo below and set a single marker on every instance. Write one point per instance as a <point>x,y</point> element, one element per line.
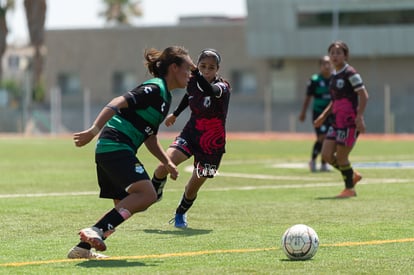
<point>343,136</point>
<point>325,126</point>
<point>206,165</point>
<point>116,171</point>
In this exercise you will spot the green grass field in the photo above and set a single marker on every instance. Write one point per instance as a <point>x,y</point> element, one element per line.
<point>49,191</point>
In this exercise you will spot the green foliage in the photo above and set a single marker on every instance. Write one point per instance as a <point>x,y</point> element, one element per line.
<point>121,11</point>
<point>235,224</point>
<point>12,87</point>
<point>39,91</point>
<point>5,5</point>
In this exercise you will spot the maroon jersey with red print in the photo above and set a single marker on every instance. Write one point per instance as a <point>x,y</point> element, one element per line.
<point>205,130</point>
<point>343,88</point>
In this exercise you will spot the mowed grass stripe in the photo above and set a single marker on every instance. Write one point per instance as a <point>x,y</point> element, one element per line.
<point>204,252</point>
<point>241,188</point>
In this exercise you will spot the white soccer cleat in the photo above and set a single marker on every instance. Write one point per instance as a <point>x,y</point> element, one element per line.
<point>77,252</point>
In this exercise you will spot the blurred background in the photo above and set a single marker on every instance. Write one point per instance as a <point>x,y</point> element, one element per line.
<point>62,61</point>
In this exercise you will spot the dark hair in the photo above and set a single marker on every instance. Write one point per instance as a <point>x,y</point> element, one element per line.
<point>209,53</point>
<point>340,44</point>
<point>158,62</point>
<point>324,59</point>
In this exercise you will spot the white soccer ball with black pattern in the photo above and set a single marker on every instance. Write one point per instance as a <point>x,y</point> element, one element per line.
<point>300,242</point>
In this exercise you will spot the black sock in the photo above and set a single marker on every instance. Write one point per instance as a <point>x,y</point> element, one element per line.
<point>84,245</point>
<point>347,174</point>
<point>111,220</point>
<point>335,165</point>
<point>158,184</point>
<point>185,204</point>
<point>317,147</point>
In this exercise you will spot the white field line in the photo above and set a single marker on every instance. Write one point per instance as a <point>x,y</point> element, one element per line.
<point>238,188</point>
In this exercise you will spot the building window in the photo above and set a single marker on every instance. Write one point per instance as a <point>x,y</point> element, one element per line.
<point>244,82</point>
<point>123,82</point>
<point>356,18</point>
<point>69,83</point>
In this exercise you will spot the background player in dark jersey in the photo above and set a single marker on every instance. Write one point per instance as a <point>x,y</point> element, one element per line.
<point>318,89</point>
<point>127,122</point>
<point>203,136</point>
<point>349,100</point>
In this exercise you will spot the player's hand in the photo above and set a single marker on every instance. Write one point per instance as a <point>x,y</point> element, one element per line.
<point>170,120</point>
<point>82,138</point>
<point>360,124</point>
<point>302,117</point>
<point>172,170</point>
<point>318,122</point>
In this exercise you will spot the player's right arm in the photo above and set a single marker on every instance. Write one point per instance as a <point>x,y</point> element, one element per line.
<point>170,120</point>
<point>113,107</point>
<point>310,91</point>
<point>322,117</point>
<point>305,105</point>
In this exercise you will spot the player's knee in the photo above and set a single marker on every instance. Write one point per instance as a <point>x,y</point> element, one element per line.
<point>328,158</point>
<point>160,172</point>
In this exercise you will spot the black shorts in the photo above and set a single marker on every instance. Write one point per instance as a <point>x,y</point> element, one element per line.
<point>206,165</point>
<point>325,126</point>
<point>116,171</point>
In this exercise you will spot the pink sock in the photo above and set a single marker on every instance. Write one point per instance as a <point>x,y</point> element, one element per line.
<point>124,213</point>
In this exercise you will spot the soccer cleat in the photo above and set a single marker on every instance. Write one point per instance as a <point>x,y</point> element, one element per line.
<point>312,166</point>
<point>180,221</point>
<point>356,177</point>
<point>93,236</point>
<point>82,253</point>
<point>324,167</point>
<point>347,193</point>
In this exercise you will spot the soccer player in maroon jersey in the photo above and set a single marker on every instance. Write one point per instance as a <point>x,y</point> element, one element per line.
<point>203,136</point>
<point>318,89</point>
<point>349,99</point>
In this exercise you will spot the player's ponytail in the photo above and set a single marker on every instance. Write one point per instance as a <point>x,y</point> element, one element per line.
<point>158,62</point>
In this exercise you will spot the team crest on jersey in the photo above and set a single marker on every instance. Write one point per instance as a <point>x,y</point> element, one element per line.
<point>139,168</point>
<point>207,101</point>
<point>340,83</point>
<point>322,83</point>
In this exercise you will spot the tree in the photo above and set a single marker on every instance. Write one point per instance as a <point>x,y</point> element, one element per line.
<point>36,16</point>
<point>120,12</point>
<point>5,5</point>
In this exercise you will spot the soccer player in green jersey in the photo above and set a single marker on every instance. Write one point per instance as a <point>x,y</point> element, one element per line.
<point>318,89</point>
<point>127,122</point>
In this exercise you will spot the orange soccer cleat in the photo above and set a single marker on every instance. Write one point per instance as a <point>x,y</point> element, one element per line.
<point>347,193</point>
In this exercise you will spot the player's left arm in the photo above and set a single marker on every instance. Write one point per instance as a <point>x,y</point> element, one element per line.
<point>155,148</point>
<point>359,88</point>
<point>362,103</point>
<point>322,117</point>
<point>212,89</point>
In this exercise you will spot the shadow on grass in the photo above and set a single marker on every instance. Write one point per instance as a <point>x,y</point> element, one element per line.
<point>331,198</point>
<point>110,263</point>
<point>178,232</point>
<point>295,261</point>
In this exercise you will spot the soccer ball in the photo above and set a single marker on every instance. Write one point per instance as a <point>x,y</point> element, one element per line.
<point>300,242</point>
